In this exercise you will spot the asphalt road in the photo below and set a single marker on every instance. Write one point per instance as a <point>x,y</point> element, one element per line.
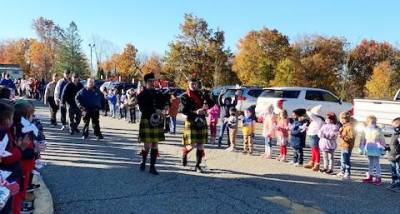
<point>103,177</point>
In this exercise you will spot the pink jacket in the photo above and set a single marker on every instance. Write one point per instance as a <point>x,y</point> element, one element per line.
<point>213,114</point>
<point>269,124</point>
<point>282,128</point>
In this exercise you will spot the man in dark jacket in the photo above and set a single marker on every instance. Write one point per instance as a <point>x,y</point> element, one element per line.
<point>68,97</point>
<point>90,100</point>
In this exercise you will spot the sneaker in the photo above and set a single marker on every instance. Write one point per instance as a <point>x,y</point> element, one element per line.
<point>346,176</point>
<point>62,128</point>
<point>278,158</point>
<point>329,172</point>
<point>292,162</point>
<point>198,169</point>
<point>33,187</point>
<point>323,170</point>
<point>340,174</point>
<point>298,165</point>
<point>99,137</point>
<point>84,137</point>
<point>377,181</point>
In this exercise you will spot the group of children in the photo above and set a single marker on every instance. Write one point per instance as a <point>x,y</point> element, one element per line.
<point>22,139</point>
<point>322,131</point>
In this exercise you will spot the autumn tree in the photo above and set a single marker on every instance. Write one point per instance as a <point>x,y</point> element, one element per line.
<point>197,49</point>
<point>383,83</point>
<point>151,64</point>
<point>322,60</point>
<point>44,50</point>
<point>14,52</point>
<point>70,55</point>
<point>362,60</point>
<point>285,72</point>
<point>127,65</point>
<point>259,52</point>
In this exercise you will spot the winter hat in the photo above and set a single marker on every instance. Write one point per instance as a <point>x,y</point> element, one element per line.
<point>316,110</point>
<point>149,76</point>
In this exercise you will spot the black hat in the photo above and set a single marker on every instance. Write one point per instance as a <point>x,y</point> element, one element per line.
<point>148,76</point>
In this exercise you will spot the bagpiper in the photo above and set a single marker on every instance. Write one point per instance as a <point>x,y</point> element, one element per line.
<point>151,128</point>
<point>194,104</point>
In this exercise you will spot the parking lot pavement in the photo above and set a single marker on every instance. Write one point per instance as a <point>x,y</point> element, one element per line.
<point>103,177</point>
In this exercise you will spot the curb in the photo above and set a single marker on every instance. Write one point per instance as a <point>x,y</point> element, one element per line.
<point>44,202</point>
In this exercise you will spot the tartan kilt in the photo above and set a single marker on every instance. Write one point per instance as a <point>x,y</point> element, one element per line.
<point>149,134</point>
<point>192,135</point>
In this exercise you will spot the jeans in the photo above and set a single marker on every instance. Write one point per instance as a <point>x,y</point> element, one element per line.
<point>74,117</point>
<point>298,155</point>
<point>395,169</point>
<point>94,116</point>
<point>221,132</point>
<point>132,113</point>
<point>373,163</point>
<point>63,110</point>
<point>172,127</point>
<point>345,165</point>
<point>328,157</point>
<point>113,109</point>
<point>53,110</point>
<point>122,112</point>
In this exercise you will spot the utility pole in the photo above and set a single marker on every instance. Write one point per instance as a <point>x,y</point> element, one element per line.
<point>91,45</point>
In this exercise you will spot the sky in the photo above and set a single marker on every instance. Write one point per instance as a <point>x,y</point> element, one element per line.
<point>150,24</point>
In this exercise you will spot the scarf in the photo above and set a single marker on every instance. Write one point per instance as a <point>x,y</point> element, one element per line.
<point>196,98</point>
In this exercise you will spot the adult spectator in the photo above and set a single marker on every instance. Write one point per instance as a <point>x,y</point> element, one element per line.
<point>131,104</point>
<point>7,82</point>
<point>49,99</point>
<point>57,96</point>
<point>68,98</point>
<point>90,100</point>
<point>5,93</point>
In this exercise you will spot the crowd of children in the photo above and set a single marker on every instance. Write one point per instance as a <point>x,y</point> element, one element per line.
<point>325,134</point>
<point>22,141</point>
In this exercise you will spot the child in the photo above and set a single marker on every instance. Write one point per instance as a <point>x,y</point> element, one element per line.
<point>11,162</point>
<point>112,102</point>
<point>327,143</point>
<point>25,132</point>
<point>269,125</point>
<point>297,129</point>
<point>312,132</point>
<point>173,111</point>
<point>347,136</point>
<point>232,122</point>
<point>248,131</point>
<point>394,155</point>
<point>213,115</point>
<point>372,144</point>
<point>122,105</point>
<point>282,133</point>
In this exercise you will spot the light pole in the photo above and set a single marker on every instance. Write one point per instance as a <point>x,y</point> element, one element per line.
<point>91,45</point>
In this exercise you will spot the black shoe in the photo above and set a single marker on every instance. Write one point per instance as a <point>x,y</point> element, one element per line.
<point>77,130</point>
<point>100,137</point>
<point>85,137</point>
<point>153,170</point>
<point>72,132</point>
<point>198,169</point>
<point>142,166</point>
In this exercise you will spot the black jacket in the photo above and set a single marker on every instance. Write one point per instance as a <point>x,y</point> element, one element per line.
<point>149,100</point>
<point>69,93</point>
<point>394,154</point>
<point>188,106</point>
<point>90,99</point>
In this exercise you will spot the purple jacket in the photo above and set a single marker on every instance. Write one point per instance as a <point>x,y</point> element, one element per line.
<point>328,135</point>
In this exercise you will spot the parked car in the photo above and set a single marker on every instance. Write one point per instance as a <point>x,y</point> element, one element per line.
<point>291,98</point>
<point>216,91</point>
<point>384,110</point>
<point>248,96</point>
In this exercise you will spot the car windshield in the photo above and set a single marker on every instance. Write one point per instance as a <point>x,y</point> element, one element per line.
<point>273,93</point>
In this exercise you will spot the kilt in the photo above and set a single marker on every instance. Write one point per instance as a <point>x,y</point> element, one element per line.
<point>149,134</point>
<point>192,135</point>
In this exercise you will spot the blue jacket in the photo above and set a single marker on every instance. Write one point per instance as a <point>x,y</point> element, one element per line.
<point>297,134</point>
<point>7,83</point>
<point>91,99</point>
